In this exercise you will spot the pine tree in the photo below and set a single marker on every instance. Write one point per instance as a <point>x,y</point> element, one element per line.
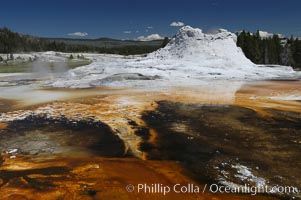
<point>297,53</point>
<point>165,41</point>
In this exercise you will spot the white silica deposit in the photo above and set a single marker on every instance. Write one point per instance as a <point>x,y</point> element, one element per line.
<point>190,58</point>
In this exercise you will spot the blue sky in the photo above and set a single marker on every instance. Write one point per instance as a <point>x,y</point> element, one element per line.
<point>126,19</point>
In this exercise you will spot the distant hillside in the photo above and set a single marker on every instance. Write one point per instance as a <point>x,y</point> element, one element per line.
<point>260,48</point>
<point>12,42</point>
<point>104,42</point>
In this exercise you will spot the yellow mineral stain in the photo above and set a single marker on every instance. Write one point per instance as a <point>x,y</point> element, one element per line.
<point>106,178</point>
<point>3,125</point>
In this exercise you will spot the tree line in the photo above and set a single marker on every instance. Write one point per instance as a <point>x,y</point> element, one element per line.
<point>270,50</point>
<point>12,42</point>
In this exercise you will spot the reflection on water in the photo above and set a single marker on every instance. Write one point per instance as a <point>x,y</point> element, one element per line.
<point>215,130</point>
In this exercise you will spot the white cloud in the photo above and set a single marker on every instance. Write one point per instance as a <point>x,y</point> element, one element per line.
<point>265,34</point>
<point>150,37</point>
<point>80,34</point>
<point>177,24</point>
<point>127,32</point>
<point>150,27</point>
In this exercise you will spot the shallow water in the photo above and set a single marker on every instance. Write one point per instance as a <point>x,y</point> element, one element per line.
<point>219,143</point>
<point>34,136</point>
<point>234,136</point>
